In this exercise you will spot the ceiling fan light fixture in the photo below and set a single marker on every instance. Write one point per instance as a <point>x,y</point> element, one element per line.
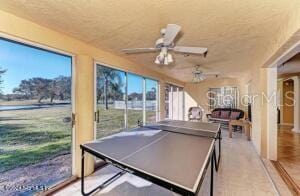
<point>166,62</point>
<point>198,77</point>
<point>166,43</point>
<point>170,58</point>
<point>161,57</point>
<point>157,61</point>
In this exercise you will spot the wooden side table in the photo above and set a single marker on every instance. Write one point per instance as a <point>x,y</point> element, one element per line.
<point>243,123</point>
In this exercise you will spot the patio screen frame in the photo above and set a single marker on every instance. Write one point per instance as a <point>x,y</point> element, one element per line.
<point>157,112</point>
<point>170,102</point>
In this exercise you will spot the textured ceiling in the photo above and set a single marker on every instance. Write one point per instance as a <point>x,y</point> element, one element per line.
<point>236,32</point>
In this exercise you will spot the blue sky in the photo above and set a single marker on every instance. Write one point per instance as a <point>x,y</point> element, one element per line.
<point>22,62</point>
<point>135,84</point>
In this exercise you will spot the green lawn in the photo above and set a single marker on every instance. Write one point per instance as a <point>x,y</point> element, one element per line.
<point>31,136</point>
<point>112,120</point>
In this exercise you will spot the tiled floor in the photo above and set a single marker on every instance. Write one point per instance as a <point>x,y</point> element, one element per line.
<point>241,173</point>
<point>289,152</point>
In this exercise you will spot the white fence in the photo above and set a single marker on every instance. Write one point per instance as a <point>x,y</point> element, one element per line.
<point>135,105</point>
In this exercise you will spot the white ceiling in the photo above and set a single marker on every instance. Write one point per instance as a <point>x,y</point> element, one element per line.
<point>236,32</point>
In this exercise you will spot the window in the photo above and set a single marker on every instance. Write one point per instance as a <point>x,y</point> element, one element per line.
<point>135,99</point>
<point>122,100</point>
<point>151,100</point>
<point>224,97</point>
<point>110,99</point>
<point>174,102</point>
<point>167,101</point>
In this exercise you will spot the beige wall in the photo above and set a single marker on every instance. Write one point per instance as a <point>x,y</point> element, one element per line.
<point>258,77</point>
<point>196,93</point>
<point>84,54</point>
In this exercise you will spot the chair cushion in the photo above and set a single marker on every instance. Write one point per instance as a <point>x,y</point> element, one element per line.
<point>234,115</point>
<point>215,114</point>
<point>225,114</point>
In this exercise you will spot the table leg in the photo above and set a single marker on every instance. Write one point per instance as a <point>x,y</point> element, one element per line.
<point>101,186</point>
<point>212,176</point>
<point>230,130</point>
<point>247,131</point>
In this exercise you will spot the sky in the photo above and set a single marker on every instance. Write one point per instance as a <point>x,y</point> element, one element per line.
<point>23,62</point>
<point>135,83</point>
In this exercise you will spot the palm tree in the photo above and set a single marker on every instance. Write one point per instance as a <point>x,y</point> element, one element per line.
<point>109,84</point>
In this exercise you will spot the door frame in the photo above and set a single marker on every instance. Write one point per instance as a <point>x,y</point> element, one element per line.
<point>73,82</point>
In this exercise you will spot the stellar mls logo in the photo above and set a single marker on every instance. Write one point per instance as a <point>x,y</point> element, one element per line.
<point>10,187</point>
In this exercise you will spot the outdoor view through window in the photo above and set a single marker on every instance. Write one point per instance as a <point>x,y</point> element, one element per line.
<point>35,98</point>
<point>123,99</point>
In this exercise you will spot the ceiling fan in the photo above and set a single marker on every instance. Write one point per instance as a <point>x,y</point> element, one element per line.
<point>199,75</point>
<point>166,44</point>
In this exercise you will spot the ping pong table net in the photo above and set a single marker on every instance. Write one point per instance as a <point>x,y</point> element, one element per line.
<point>182,130</point>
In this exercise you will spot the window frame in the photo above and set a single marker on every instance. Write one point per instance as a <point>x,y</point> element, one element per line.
<point>170,102</point>
<point>222,91</point>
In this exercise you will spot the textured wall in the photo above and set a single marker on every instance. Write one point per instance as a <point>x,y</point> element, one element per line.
<point>197,92</point>
<point>286,36</point>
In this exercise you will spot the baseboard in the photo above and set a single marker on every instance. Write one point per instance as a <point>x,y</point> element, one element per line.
<point>294,188</point>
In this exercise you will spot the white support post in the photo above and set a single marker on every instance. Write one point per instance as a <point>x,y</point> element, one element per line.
<point>272,113</point>
<point>144,101</point>
<point>126,101</point>
<point>157,106</point>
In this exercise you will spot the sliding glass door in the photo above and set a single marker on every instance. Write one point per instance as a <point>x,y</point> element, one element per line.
<point>122,100</point>
<point>174,102</point>
<point>110,100</point>
<point>35,118</point>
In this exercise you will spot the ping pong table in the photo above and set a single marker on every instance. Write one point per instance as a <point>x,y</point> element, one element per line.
<point>173,154</point>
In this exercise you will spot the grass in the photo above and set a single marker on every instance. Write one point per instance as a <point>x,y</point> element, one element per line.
<point>32,136</point>
<point>112,120</point>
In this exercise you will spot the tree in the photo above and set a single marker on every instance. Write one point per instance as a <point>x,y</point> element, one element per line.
<point>109,84</point>
<point>2,71</point>
<point>151,95</point>
<point>60,87</point>
<point>42,88</point>
<point>34,88</point>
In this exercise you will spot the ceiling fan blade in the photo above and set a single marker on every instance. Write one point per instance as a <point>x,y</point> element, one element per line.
<point>140,50</point>
<point>171,32</point>
<point>190,50</point>
<point>211,73</point>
